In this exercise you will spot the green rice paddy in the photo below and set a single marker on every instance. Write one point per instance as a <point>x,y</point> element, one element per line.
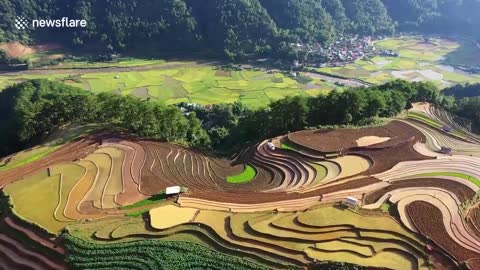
<point>246,176</point>
<point>199,84</point>
<point>289,146</point>
<point>175,82</point>
<point>423,118</point>
<point>420,59</point>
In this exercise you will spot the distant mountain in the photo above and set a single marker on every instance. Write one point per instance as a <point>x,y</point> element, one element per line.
<point>233,28</point>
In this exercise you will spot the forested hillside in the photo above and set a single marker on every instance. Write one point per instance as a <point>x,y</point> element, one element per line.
<point>234,28</point>
<point>34,109</point>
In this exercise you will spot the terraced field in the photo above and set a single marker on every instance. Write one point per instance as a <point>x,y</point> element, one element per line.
<point>106,192</point>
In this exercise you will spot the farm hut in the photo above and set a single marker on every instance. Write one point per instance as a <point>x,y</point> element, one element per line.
<point>446,150</point>
<point>350,202</point>
<point>271,146</point>
<point>175,190</point>
<point>447,128</point>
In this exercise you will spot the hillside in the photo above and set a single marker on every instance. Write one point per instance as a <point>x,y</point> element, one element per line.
<point>105,195</point>
<point>233,28</point>
<point>240,134</point>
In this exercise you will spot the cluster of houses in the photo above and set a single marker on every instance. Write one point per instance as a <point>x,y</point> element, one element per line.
<point>340,53</point>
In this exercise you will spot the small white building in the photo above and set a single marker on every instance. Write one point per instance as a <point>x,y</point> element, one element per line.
<point>271,146</point>
<point>175,190</point>
<point>351,202</point>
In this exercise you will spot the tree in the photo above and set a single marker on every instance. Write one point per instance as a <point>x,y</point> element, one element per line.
<point>307,20</point>
<point>376,105</point>
<point>369,17</point>
<point>337,11</point>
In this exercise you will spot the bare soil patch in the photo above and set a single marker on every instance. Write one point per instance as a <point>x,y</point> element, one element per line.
<point>462,192</point>
<point>18,50</point>
<point>370,140</point>
<point>67,153</point>
<point>426,218</point>
<point>223,73</point>
<point>335,140</point>
<point>141,92</point>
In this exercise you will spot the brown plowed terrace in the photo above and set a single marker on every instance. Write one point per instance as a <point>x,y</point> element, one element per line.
<point>280,173</point>
<point>286,179</point>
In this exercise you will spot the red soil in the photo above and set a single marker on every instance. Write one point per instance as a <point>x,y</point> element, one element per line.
<point>25,258</point>
<point>462,192</point>
<point>34,236</point>
<point>169,165</point>
<point>384,159</point>
<point>474,264</point>
<point>130,193</point>
<point>335,140</point>
<point>442,262</point>
<point>18,50</point>
<point>473,221</point>
<point>67,153</point>
<point>426,218</point>
<point>262,197</point>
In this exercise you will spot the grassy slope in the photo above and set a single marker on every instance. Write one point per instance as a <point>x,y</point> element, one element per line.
<point>52,143</point>
<point>35,200</point>
<point>246,176</point>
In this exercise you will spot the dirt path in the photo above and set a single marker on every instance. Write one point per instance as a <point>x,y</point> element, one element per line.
<point>332,79</point>
<point>78,71</point>
<point>107,69</point>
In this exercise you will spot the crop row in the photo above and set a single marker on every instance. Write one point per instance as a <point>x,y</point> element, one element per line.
<point>265,231</point>
<point>445,202</point>
<point>126,230</point>
<point>425,218</point>
<point>150,254</point>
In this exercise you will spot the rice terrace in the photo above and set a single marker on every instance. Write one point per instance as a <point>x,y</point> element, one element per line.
<point>286,214</point>
<point>241,135</point>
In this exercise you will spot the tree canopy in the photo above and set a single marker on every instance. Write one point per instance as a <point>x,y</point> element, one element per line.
<point>36,108</point>
<point>232,28</point>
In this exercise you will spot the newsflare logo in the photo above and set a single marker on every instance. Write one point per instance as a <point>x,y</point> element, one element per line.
<point>22,23</point>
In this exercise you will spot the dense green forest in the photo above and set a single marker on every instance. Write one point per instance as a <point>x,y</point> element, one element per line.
<point>468,102</point>
<point>33,109</point>
<point>233,28</point>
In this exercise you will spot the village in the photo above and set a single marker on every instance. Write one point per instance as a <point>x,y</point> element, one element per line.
<point>344,51</point>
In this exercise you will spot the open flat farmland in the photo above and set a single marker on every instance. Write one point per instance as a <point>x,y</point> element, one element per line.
<point>421,59</point>
<point>286,207</point>
<point>185,82</point>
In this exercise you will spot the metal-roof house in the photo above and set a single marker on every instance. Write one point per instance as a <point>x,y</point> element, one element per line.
<point>173,190</point>
<point>350,201</point>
